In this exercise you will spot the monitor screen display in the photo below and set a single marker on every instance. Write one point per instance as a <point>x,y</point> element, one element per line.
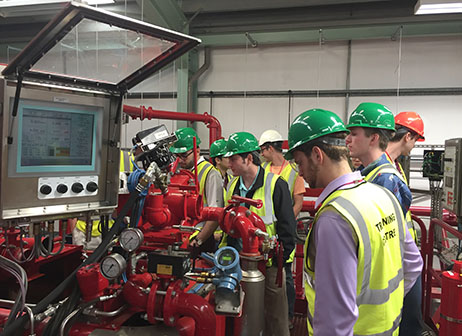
<point>55,137</point>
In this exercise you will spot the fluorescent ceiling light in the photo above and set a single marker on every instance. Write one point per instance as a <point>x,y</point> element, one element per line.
<point>438,6</point>
<point>99,2</point>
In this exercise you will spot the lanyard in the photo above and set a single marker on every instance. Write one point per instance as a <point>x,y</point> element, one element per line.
<point>339,187</point>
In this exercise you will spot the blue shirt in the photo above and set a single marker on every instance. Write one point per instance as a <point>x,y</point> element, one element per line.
<point>390,181</point>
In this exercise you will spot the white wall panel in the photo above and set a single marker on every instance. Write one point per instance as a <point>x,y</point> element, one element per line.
<point>425,62</point>
<point>293,67</point>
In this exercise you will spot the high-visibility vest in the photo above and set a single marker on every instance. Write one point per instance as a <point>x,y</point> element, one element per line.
<point>266,212</point>
<point>389,168</point>
<point>203,169</point>
<point>95,232</point>
<point>376,218</point>
<point>126,165</point>
<point>289,175</point>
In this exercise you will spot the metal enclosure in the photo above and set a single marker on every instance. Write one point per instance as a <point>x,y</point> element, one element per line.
<point>21,194</point>
<point>61,105</point>
<point>452,188</point>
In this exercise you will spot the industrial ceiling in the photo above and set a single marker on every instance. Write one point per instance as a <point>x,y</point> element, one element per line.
<point>225,23</point>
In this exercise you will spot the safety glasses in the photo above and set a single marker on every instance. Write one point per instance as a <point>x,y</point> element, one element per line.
<point>184,156</point>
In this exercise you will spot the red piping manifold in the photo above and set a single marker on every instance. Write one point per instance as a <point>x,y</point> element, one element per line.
<point>178,303</point>
<point>210,121</point>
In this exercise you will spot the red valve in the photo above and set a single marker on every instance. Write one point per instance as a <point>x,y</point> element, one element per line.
<point>236,200</point>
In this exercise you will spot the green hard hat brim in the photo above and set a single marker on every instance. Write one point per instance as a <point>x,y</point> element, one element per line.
<point>390,128</point>
<point>290,155</point>
<point>179,150</point>
<point>229,154</point>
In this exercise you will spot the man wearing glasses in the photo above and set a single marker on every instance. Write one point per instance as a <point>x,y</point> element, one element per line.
<point>210,184</point>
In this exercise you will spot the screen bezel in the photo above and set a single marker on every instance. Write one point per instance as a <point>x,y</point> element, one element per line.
<point>67,107</point>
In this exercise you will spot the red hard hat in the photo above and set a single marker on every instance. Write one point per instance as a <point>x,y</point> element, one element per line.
<point>411,120</point>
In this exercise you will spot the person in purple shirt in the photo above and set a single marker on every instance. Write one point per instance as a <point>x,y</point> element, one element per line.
<point>335,247</point>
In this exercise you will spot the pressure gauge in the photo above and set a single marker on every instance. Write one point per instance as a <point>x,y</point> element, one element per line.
<point>112,266</point>
<point>131,239</point>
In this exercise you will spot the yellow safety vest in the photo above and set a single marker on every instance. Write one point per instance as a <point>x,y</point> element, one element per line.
<point>203,169</point>
<point>266,212</point>
<point>379,225</point>
<point>389,168</point>
<point>289,175</point>
<point>80,225</point>
<point>126,165</point>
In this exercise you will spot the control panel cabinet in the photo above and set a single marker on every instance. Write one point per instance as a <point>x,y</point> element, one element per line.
<point>452,188</point>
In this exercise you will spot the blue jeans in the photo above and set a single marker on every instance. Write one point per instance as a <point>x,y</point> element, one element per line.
<point>290,289</point>
<point>411,322</point>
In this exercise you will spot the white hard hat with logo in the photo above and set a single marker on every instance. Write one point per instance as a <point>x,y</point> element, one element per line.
<point>270,136</point>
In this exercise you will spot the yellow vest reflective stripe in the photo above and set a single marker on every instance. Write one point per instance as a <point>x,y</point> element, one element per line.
<point>80,225</point>
<point>289,175</point>
<point>266,212</point>
<point>203,169</point>
<point>389,168</point>
<point>379,227</point>
<point>126,166</point>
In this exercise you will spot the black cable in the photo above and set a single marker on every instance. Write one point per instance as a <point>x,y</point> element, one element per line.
<point>17,327</point>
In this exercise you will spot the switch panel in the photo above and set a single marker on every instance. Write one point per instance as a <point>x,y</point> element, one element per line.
<point>71,186</point>
<point>452,188</point>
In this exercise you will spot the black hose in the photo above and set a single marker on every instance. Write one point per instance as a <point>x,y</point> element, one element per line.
<point>17,327</point>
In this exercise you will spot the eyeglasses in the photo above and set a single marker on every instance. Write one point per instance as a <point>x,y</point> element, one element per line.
<point>184,156</point>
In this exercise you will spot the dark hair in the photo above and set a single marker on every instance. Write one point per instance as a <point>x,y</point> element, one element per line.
<point>334,152</point>
<point>277,145</point>
<point>214,160</point>
<point>255,157</point>
<point>384,136</point>
<point>401,131</point>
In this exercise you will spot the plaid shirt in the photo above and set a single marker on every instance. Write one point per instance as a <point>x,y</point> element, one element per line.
<point>390,181</point>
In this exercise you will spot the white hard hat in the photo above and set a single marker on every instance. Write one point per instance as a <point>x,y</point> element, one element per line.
<point>270,136</point>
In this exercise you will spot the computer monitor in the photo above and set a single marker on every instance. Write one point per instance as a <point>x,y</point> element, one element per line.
<point>56,137</point>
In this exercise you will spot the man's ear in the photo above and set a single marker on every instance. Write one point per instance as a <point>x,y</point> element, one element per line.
<point>317,155</point>
<point>374,139</point>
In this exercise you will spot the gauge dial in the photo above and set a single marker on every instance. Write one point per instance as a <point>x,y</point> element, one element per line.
<point>112,266</point>
<point>131,239</point>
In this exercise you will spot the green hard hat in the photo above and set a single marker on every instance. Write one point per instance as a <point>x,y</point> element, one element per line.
<point>185,140</point>
<point>241,142</point>
<point>372,115</point>
<point>218,148</point>
<point>311,125</point>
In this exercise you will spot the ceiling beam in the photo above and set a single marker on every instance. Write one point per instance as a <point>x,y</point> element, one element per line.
<point>165,13</point>
<point>335,34</point>
<point>207,6</point>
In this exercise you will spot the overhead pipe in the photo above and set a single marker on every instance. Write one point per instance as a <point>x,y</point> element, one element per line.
<point>210,121</point>
<point>196,76</point>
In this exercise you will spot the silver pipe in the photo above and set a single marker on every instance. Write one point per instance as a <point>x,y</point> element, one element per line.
<point>31,320</point>
<point>11,302</point>
<point>113,313</point>
<point>63,326</point>
<point>135,259</point>
<point>196,76</point>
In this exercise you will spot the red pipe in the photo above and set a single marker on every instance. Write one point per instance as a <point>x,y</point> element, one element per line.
<point>210,121</point>
<point>185,326</point>
<point>424,211</point>
<point>178,303</point>
<point>155,212</point>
